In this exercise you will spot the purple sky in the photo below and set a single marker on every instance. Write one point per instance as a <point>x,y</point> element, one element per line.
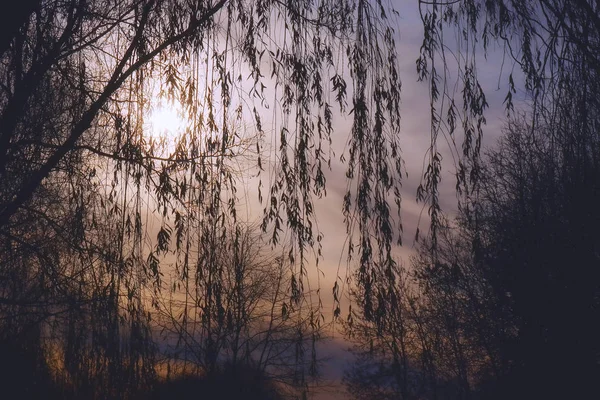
<point>414,143</point>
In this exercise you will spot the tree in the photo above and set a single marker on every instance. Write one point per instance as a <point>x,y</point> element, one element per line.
<point>544,40</point>
<point>385,349</point>
<point>237,312</point>
<point>76,82</point>
<point>442,331</point>
<point>94,61</point>
<point>537,224</point>
<point>463,327</point>
<point>507,297</point>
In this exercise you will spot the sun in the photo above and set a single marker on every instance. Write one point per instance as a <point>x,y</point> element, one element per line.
<point>165,120</point>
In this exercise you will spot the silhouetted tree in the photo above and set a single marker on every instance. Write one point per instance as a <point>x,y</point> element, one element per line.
<point>385,348</point>
<point>537,226</point>
<point>532,194</point>
<point>236,309</point>
<point>507,297</point>
<point>77,164</point>
<point>80,177</point>
<point>441,332</point>
<point>81,183</point>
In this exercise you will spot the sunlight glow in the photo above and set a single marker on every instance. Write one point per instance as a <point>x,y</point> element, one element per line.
<point>165,120</point>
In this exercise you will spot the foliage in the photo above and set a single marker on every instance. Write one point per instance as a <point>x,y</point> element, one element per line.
<point>239,313</point>
<point>228,384</point>
<point>543,42</point>
<point>508,296</point>
<point>92,208</point>
<point>434,340</point>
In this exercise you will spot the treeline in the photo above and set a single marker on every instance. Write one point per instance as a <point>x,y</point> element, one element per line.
<point>123,263</point>
<point>504,303</point>
<point>79,325</point>
<point>123,258</point>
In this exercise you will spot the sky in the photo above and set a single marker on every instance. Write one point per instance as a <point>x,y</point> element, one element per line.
<point>414,140</point>
<point>415,136</point>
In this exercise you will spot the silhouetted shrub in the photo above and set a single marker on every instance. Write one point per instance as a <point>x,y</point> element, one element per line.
<point>24,373</point>
<point>239,382</point>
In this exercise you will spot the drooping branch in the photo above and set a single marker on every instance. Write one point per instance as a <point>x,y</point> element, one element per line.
<point>119,76</point>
